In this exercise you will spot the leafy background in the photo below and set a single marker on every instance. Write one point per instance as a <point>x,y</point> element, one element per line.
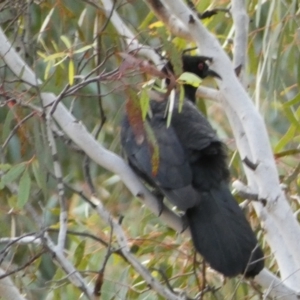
<point>62,40</point>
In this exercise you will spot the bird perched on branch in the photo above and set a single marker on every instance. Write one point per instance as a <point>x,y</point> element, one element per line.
<point>186,163</point>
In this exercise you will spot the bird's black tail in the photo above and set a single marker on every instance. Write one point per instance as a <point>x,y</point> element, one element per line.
<point>223,236</point>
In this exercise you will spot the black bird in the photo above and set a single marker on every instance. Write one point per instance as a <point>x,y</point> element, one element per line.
<point>192,174</point>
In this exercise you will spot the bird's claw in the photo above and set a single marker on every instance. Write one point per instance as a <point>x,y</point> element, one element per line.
<point>160,200</point>
<point>185,223</point>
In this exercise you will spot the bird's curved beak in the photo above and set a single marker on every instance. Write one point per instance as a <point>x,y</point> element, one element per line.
<point>212,73</point>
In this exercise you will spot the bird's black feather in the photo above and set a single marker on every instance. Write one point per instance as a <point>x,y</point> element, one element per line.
<point>192,173</point>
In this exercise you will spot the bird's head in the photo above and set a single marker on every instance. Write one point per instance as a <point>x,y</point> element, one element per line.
<point>198,65</point>
<point>194,64</point>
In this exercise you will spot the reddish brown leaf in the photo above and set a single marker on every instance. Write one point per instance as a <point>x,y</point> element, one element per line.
<point>135,118</point>
<point>141,129</point>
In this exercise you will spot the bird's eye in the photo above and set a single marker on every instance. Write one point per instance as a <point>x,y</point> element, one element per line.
<point>201,66</point>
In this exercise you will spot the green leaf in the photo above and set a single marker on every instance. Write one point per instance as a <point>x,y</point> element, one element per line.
<point>174,55</point>
<point>55,46</point>
<point>189,78</point>
<point>46,21</point>
<point>83,49</point>
<point>124,287</point>
<point>71,72</point>
<point>61,61</point>
<point>294,101</point>
<point>12,201</point>
<point>146,21</point>
<point>47,70</point>
<point>24,189</point>
<point>292,116</point>
<point>13,173</point>
<point>181,98</point>
<point>179,43</point>
<point>290,152</point>
<point>38,174</point>
<point>5,167</point>
<point>144,102</point>
<point>285,139</point>
<point>42,54</point>
<point>162,90</point>
<point>7,123</point>
<point>171,106</point>
<point>66,41</point>
<point>79,253</point>
<point>41,162</point>
<point>83,264</point>
<point>156,24</point>
<point>55,56</point>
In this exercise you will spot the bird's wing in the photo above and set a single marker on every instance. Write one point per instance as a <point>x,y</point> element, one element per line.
<point>161,158</point>
<point>162,161</point>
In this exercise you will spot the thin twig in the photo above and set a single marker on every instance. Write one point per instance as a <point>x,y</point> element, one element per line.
<point>13,131</point>
<point>27,264</point>
<point>123,243</point>
<point>63,216</point>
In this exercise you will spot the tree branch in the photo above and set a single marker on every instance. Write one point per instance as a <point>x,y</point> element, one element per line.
<point>63,215</point>
<point>82,138</point>
<point>131,40</point>
<point>241,24</point>
<point>124,248</point>
<point>174,25</point>
<point>252,141</point>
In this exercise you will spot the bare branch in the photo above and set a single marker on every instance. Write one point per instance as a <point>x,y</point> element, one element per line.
<point>174,25</point>
<point>29,238</point>
<point>241,24</point>
<point>244,191</point>
<point>13,131</point>
<point>63,215</point>
<point>275,287</point>
<point>208,93</point>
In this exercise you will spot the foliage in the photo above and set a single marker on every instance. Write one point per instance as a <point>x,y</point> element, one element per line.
<point>65,41</point>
